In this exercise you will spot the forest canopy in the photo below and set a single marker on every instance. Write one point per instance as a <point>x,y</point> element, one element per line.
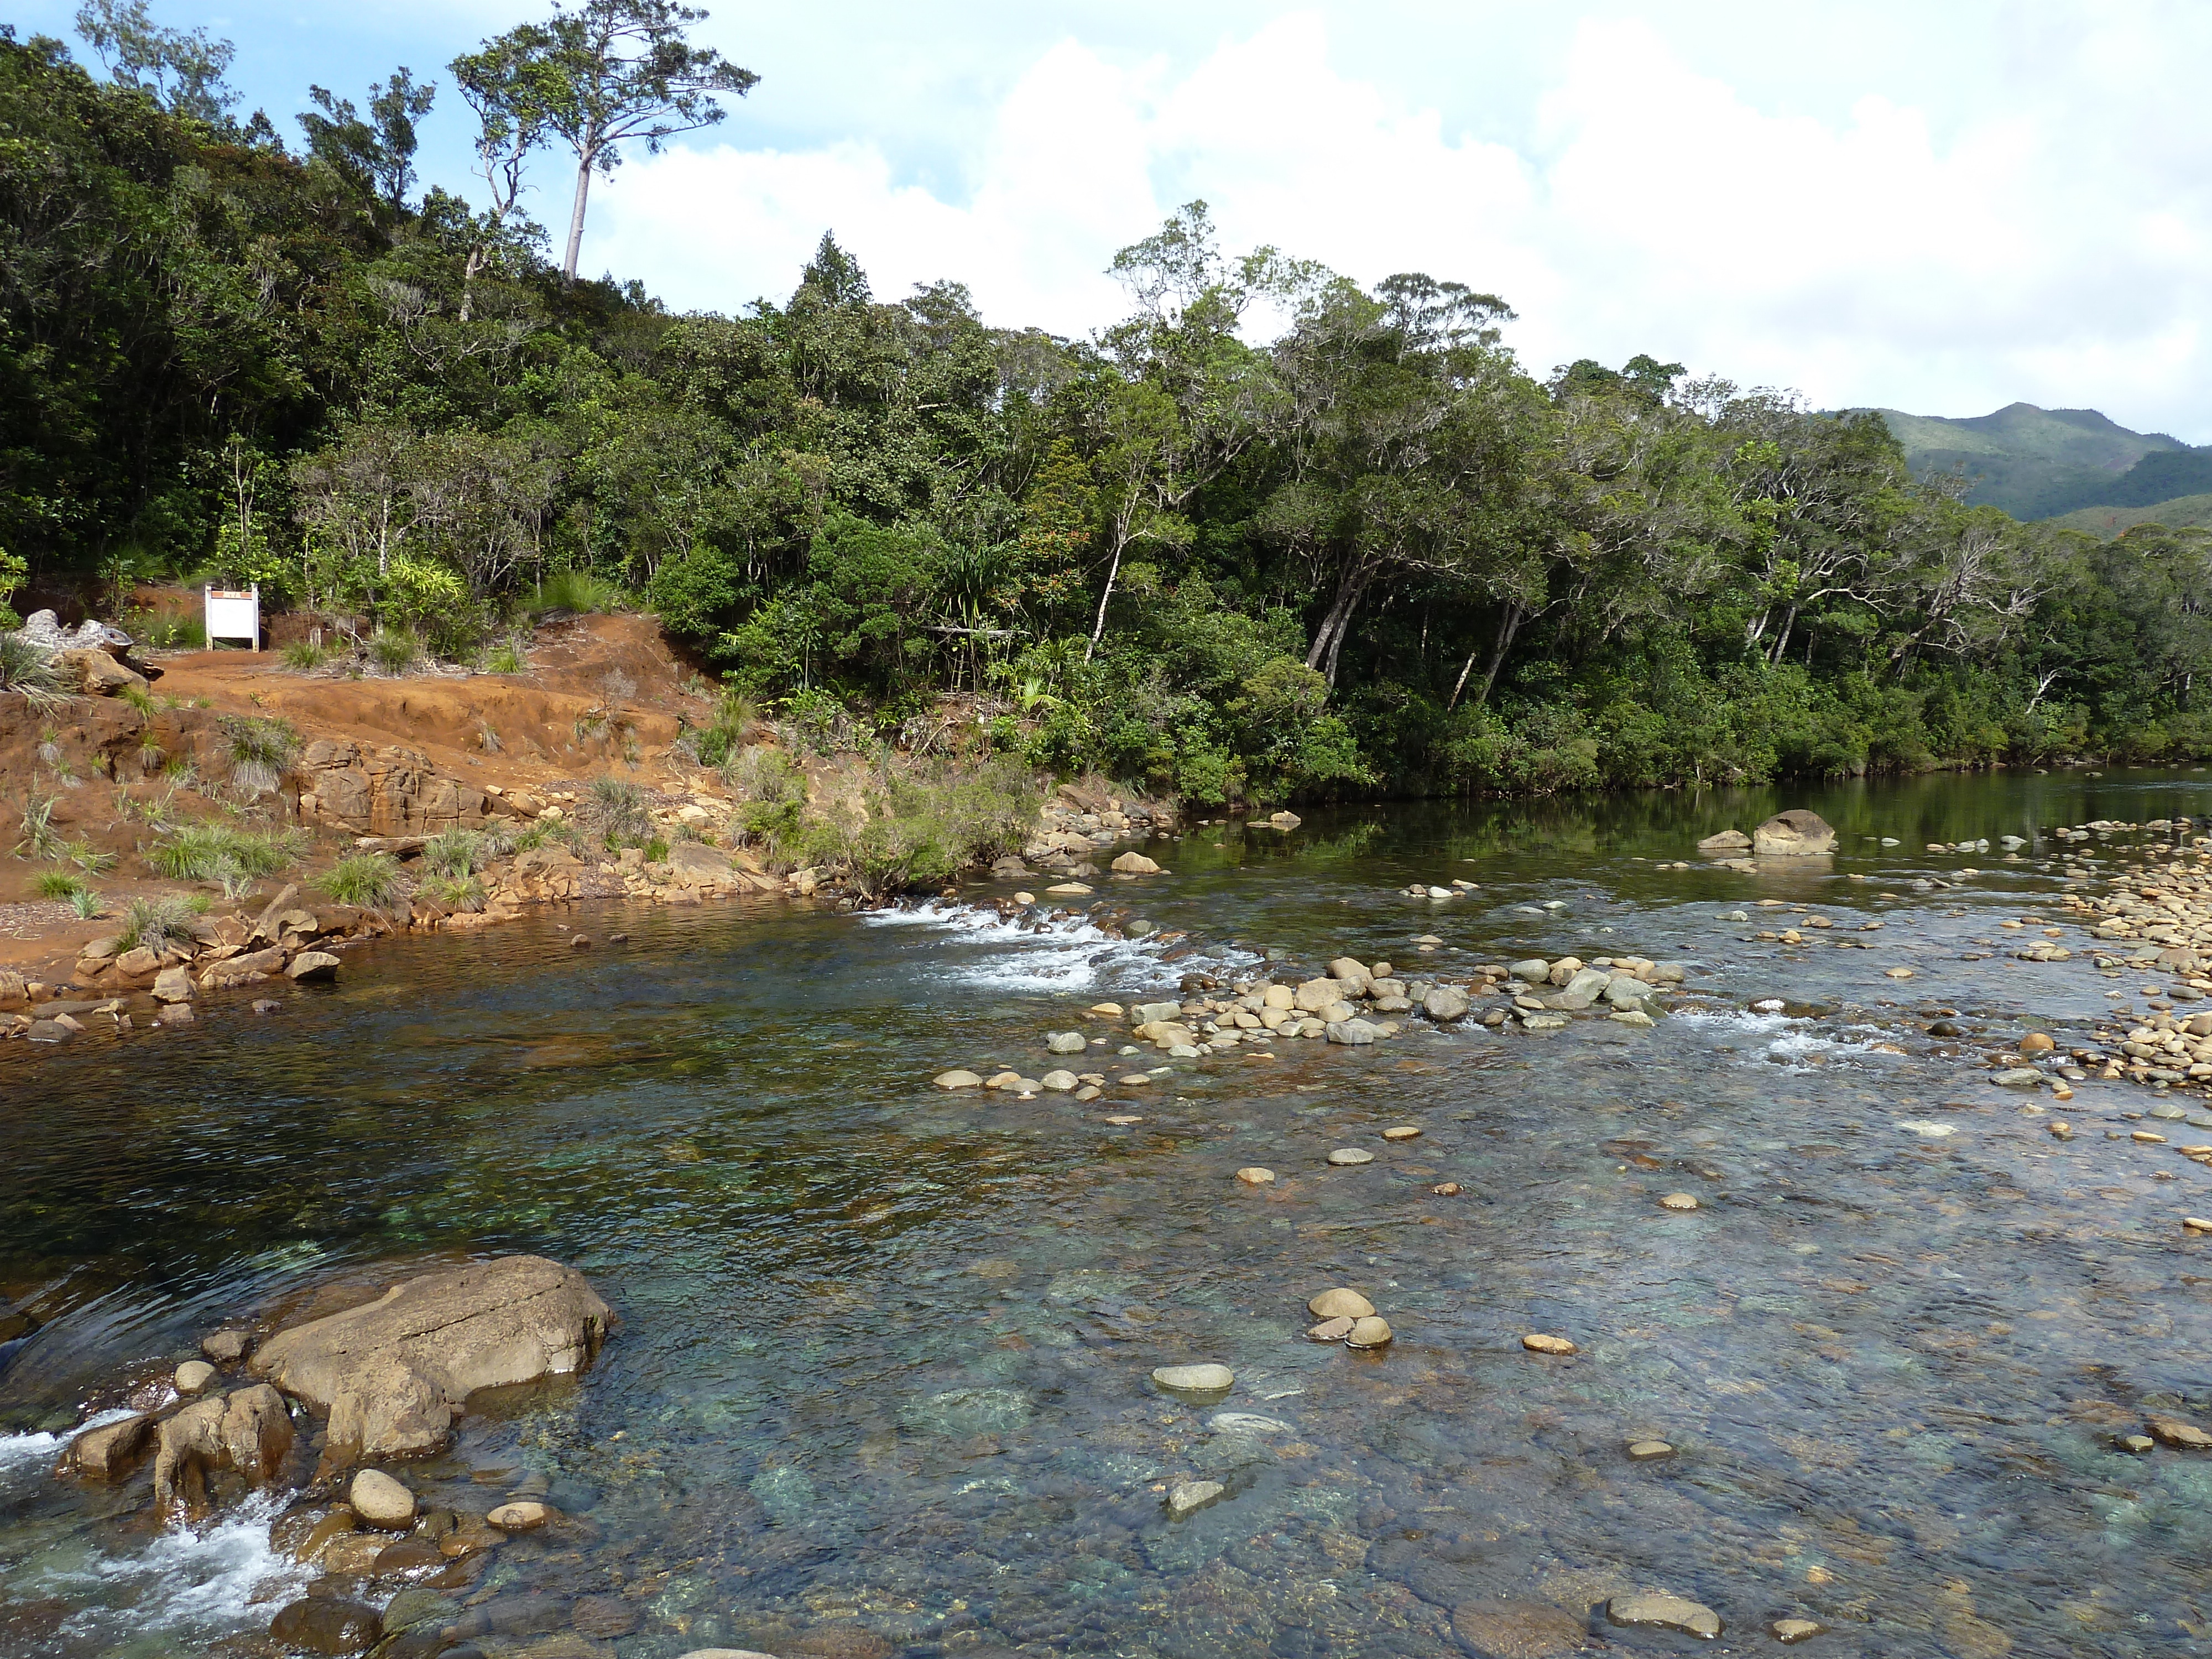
<point>1362,549</point>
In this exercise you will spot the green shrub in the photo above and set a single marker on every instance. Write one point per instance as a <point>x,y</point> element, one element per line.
<point>260,752</point>
<point>772,790</point>
<point>40,839</point>
<point>181,631</point>
<point>455,892</point>
<point>394,651</point>
<point>216,852</point>
<point>573,590</point>
<point>154,922</point>
<point>457,853</point>
<point>138,697</point>
<point>656,851</point>
<point>918,832</point>
<point>32,673</point>
<point>507,658</point>
<point>60,884</point>
<point>737,722</point>
<point>305,655</point>
<point>369,879</point>
<point>618,811</point>
<point>87,904</point>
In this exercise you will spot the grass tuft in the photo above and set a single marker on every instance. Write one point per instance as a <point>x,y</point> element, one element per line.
<point>260,752</point>
<point>369,879</point>
<point>218,853</point>
<point>164,919</point>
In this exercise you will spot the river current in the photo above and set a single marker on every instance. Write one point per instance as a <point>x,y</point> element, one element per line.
<point>880,1384</point>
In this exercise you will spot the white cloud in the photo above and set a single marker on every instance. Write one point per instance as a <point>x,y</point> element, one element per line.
<point>2046,243</point>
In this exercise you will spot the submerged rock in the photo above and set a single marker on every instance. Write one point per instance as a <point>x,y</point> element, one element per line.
<point>1517,1630</point>
<point>1339,1303</point>
<point>1194,1379</point>
<point>1193,1496</point>
<point>394,1375</point>
<point>328,1624</point>
<point>1664,1612</point>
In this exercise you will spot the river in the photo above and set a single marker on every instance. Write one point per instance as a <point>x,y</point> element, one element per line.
<point>880,1384</point>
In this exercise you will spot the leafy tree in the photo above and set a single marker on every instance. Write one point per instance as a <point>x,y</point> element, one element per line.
<point>375,155</point>
<point>605,74</point>
<point>182,72</point>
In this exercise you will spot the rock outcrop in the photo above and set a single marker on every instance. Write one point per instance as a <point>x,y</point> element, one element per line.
<point>395,1374</point>
<point>249,1431</point>
<point>388,792</point>
<point>1795,832</point>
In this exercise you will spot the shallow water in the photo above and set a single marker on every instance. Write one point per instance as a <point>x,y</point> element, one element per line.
<point>881,1383</point>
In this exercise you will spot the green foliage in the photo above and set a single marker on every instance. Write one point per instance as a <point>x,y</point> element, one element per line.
<point>87,905</point>
<point>772,792</point>
<point>60,884</point>
<point>577,591</point>
<point>1368,554</point>
<point>31,672</point>
<point>369,879</point>
<point>454,892</point>
<point>457,853</point>
<point>260,752</point>
<point>164,919</point>
<point>916,831</point>
<point>619,813</point>
<point>305,655</point>
<point>40,839</point>
<point>394,652</point>
<point>219,853</point>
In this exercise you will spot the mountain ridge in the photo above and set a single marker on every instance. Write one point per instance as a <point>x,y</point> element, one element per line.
<point>2039,462</point>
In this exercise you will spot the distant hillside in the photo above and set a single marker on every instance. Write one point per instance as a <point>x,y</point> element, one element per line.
<point>2110,521</point>
<point>2045,463</point>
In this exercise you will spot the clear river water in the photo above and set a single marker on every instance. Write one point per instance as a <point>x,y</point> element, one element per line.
<point>880,1384</point>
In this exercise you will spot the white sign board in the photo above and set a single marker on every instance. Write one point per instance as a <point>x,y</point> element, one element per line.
<point>232,615</point>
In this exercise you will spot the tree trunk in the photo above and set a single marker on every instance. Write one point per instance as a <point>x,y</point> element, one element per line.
<point>576,218</point>
<point>479,256</point>
<point>1781,639</point>
<point>1328,640</point>
<point>1098,627</point>
<point>1508,626</point>
<point>1466,668</point>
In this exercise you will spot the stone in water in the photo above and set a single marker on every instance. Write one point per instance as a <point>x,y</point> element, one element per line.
<point>1193,1496</point>
<point>1332,1330</point>
<point>1255,1177</point>
<point>1790,1631</point>
<point>1339,1304</point>
<point>1644,1451</point>
<point>1403,1132</point>
<point>956,1079</point>
<point>1372,1331</point>
<point>1194,1379</point>
<point>1664,1612</point>
<point>1678,1201</point>
<point>1343,1155</point>
<point>1537,1342</point>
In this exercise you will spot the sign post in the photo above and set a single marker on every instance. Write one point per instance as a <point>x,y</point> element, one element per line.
<point>232,615</point>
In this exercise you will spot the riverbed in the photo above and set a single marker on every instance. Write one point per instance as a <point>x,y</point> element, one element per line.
<point>880,1384</point>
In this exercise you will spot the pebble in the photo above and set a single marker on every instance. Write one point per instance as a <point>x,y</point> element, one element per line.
<point>526,1516</point>
<point>1644,1451</point>
<point>2062,1132</point>
<point>1664,1612</point>
<point>1109,1010</point>
<point>1790,1631</point>
<point>2138,1443</point>
<point>1059,1082</point>
<point>725,1653</point>
<point>1194,1379</point>
<point>226,1347</point>
<point>1403,1132</point>
<point>193,1376</point>
<point>2147,1137</point>
<point>1372,1331</point>
<point>2194,1223</point>
<point>1135,1080</point>
<point>956,1080</point>
<point>1678,1201</point>
<point>379,1500</point>
<point>1064,1042</point>
<point>1088,1091</point>
<point>1331,1330</point>
<point>1121,1120</point>
<point>1898,973</point>
<point>1446,1189</point>
<point>1254,1176</point>
<point>1537,1342</point>
<point>2035,1043</point>
<point>1350,1155</point>
<point>1193,1496</point>
<point>1339,1303</point>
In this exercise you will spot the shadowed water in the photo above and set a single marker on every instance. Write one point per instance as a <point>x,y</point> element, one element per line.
<point>881,1381</point>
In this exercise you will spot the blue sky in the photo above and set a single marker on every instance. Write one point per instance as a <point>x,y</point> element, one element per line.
<point>1938,208</point>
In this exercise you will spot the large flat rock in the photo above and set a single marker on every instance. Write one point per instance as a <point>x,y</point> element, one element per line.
<point>393,1374</point>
